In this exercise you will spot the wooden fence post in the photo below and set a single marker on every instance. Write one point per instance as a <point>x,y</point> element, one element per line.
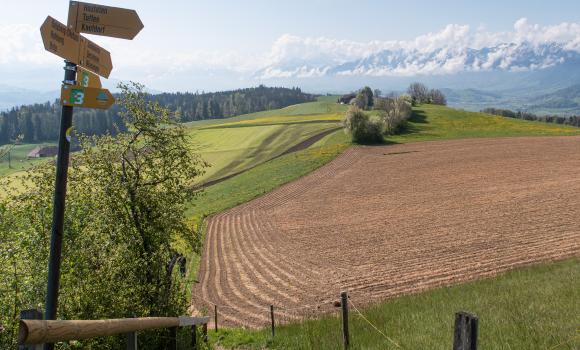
<point>465,333</point>
<point>204,332</point>
<point>132,341</point>
<point>31,314</point>
<point>272,317</point>
<point>344,306</point>
<point>215,317</point>
<point>194,337</point>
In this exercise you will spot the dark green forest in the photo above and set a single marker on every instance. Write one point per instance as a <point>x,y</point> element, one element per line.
<point>39,122</point>
<point>572,120</point>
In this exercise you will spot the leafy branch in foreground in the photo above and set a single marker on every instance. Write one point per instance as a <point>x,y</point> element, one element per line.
<point>125,205</point>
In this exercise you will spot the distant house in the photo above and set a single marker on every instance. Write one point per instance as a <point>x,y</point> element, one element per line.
<point>43,151</point>
<point>346,99</point>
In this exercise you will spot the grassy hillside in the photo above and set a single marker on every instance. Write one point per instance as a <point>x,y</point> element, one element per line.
<point>431,122</point>
<point>19,162</point>
<point>324,105</point>
<point>236,144</point>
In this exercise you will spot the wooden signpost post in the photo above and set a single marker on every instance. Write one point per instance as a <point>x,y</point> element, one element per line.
<point>85,61</point>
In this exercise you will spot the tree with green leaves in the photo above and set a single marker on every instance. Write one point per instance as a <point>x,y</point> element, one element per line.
<point>364,98</point>
<point>437,97</point>
<point>124,214</point>
<point>362,128</point>
<point>419,93</point>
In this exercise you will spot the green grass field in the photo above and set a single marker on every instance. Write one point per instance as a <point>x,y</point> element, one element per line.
<point>18,161</point>
<point>236,144</point>
<point>323,105</point>
<point>431,122</point>
<point>240,146</point>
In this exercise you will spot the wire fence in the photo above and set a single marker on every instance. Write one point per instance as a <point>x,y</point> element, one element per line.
<point>287,315</point>
<point>465,330</point>
<point>361,315</point>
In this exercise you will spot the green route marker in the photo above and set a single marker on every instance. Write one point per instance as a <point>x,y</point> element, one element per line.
<point>87,78</point>
<point>86,97</point>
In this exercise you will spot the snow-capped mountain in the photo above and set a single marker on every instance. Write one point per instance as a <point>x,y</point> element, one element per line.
<point>508,57</point>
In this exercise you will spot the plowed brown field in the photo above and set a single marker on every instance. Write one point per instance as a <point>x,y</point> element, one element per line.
<point>384,221</point>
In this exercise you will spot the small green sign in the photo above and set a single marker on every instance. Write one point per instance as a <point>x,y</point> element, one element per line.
<point>77,96</point>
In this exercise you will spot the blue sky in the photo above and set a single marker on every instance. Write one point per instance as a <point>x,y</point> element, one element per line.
<point>185,37</point>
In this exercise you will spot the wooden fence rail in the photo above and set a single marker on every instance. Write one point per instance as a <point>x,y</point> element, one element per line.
<point>50,331</point>
<point>35,331</point>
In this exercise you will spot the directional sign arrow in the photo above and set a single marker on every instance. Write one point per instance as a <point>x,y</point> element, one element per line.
<point>95,58</point>
<point>87,97</point>
<point>64,42</point>
<point>86,78</point>
<point>103,20</point>
<point>60,40</point>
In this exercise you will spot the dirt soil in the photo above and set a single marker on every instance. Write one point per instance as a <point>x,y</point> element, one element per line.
<point>380,222</point>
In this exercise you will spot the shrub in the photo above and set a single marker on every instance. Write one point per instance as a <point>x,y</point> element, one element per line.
<point>394,113</point>
<point>362,128</point>
<point>437,97</point>
<point>419,93</point>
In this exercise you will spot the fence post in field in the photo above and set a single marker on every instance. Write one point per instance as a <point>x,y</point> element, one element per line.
<point>344,306</point>
<point>272,318</point>
<point>465,333</point>
<point>204,332</point>
<point>215,317</point>
<point>194,337</point>
<point>132,341</point>
<point>31,314</point>
<point>173,338</point>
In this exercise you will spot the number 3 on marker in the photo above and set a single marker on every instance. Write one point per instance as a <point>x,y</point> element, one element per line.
<point>77,96</point>
<point>85,80</point>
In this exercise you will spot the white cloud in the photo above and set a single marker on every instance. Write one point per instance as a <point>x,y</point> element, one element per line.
<point>21,44</point>
<point>292,48</point>
<point>295,56</point>
<point>449,48</point>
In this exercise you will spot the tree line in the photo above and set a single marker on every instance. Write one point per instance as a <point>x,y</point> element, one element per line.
<point>572,120</point>
<point>40,122</point>
<point>418,93</point>
<point>389,114</point>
